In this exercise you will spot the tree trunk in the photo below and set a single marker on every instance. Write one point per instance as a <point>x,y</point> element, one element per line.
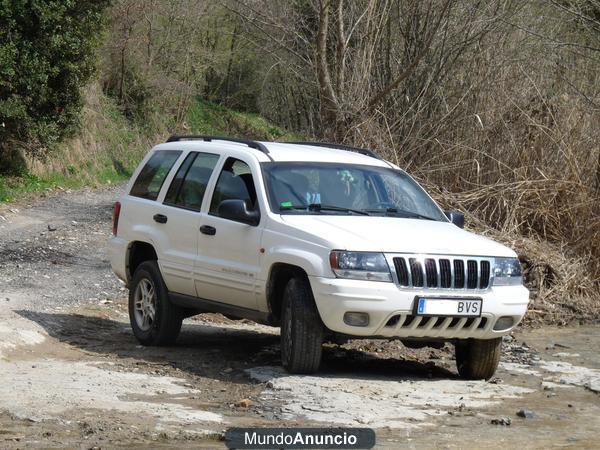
<point>329,107</point>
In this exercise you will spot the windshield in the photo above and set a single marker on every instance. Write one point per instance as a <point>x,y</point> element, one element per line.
<point>348,189</point>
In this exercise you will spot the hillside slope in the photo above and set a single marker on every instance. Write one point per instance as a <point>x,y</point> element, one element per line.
<point>109,147</point>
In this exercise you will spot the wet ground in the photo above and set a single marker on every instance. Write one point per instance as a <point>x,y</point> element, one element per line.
<point>73,375</point>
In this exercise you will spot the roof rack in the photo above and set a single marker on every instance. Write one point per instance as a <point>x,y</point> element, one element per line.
<point>362,151</point>
<point>252,144</point>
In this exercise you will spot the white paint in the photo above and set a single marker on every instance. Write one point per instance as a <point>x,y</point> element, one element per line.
<point>375,402</point>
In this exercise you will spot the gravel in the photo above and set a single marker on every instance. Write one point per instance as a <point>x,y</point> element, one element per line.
<point>56,247</point>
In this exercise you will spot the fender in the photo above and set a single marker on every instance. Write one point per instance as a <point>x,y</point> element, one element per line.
<point>142,233</point>
<point>314,263</point>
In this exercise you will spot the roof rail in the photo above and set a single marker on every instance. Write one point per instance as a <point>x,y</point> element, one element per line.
<point>362,151</point>
<point>252,144</point>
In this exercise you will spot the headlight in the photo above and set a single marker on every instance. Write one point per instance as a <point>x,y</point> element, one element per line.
<point>360,265</point>
<point>507,272</point>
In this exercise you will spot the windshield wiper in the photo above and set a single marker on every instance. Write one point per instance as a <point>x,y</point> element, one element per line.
<point>403,212</point>
<point>318,207</point>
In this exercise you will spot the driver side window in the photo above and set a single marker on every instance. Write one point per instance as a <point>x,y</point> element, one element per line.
<point>235,182</point>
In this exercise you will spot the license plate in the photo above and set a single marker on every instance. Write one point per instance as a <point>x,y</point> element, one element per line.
<point>459,307</point>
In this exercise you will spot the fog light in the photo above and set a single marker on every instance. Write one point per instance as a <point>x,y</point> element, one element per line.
<point>504,323</point>
<point>356,319</point>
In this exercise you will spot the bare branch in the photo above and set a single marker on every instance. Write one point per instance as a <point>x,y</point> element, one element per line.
<point>378,98</point>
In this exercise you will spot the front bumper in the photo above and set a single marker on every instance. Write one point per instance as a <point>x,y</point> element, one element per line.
<point>390,309</point>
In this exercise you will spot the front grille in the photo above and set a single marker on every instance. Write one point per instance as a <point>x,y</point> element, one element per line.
<point>401,270</point>
<point>484,279</point>
<point>416,272</point>
<point>407,321</point>
<point>431,272</point>
<point>405,324</point>
<point>443,272</point>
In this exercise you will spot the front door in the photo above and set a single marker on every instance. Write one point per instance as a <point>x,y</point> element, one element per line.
<point>228,259</point>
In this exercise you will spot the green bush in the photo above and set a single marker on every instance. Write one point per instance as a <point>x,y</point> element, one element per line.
<point>46,55</point>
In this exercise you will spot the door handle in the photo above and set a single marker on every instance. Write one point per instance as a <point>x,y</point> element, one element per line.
<point>207,229</point>
<point>160,218</point>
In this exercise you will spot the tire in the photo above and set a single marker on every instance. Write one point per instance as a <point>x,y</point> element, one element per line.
<point>301,329</point>
<point>477,359</point>
<point>154,319</point>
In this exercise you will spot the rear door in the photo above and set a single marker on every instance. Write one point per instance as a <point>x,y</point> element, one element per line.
<point>141,209</point>
<point>181,209</point>
<point>228,251</point>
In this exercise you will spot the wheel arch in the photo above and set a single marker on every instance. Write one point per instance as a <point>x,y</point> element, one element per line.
<point>279,275</point>
<point>137,253</point>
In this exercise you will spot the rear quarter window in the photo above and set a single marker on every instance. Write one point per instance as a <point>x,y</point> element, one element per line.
<point>153,174</point>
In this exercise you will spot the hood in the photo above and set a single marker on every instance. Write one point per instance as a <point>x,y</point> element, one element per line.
<point>395,235</point>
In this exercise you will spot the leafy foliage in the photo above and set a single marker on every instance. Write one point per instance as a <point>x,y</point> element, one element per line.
<point>46,55</point>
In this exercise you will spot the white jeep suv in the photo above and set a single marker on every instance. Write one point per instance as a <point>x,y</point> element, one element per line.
<point>323,240</point>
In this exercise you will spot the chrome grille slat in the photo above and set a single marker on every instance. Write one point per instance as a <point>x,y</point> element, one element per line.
<point>441,272</point>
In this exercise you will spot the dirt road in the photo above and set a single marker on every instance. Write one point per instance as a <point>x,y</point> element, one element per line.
<point>72,374</point>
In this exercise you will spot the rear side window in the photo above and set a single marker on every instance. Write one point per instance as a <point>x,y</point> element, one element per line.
<point>152,176</point>
<point>189,185</point>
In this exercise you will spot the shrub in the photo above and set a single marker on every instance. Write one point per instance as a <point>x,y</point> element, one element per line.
<point>46,55</point>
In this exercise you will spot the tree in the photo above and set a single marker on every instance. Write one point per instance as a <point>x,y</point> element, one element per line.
<point>46,55</point>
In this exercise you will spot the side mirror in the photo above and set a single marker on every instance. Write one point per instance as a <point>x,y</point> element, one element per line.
<point>456,217</point>
<point>238,211</point>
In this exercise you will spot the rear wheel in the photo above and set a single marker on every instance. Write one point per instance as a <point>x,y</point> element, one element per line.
<point>301,329</point>
<point>154,319</point>
<point>478,359</point>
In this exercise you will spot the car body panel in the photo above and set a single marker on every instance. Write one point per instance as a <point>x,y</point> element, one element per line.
<point>395,234</point>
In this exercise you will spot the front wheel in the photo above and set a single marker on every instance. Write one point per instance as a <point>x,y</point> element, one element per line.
<point>301,329</point>
<point>477,359</point>
<point>154,319</point>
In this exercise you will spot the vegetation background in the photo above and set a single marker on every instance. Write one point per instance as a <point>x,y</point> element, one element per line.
<point>493,105</point>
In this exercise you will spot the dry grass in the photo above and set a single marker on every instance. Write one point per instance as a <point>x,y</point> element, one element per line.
<point>526,171</point>
<point>558,247</point>
<point>107,143</point>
